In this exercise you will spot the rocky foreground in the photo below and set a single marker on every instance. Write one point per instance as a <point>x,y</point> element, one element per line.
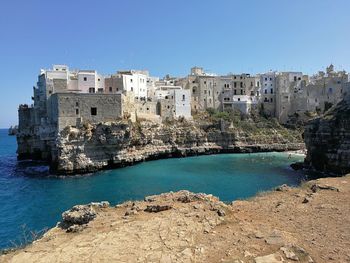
<point>306,224</point>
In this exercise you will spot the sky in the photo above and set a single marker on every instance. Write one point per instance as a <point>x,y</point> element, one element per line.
<point>166,37</point>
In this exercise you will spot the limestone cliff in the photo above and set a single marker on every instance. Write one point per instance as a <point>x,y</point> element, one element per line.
<point>327,140</point>
<point>98,146</point>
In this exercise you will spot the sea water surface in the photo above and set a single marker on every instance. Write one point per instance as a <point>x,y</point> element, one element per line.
<point>30,196</point>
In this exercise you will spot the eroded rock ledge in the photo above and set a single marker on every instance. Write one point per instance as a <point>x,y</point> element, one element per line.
<point>306,224</point>
<point>328,140</point>
<point>110,145</point>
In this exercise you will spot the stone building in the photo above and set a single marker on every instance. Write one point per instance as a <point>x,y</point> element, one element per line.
<point>287,85</point>
<point>268,93</point>
<point>137,81</point>
<point>74,109</point>
<point>299,95</point>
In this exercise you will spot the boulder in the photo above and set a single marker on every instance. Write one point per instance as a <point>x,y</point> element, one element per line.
<point>78,215</point>
<point>157,208</point>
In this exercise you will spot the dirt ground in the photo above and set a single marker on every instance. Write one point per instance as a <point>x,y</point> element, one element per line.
<point>306,224</point>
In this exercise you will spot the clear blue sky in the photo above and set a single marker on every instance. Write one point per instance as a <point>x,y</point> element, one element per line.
<point>166,37</point>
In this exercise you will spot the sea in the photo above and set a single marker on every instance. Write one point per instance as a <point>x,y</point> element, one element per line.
<point>32,200</point>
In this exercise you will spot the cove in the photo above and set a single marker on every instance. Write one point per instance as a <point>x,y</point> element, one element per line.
<point>29,196</point>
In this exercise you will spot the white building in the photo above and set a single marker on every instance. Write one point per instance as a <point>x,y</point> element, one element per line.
<point>174,101</point>
<point>268,92</point>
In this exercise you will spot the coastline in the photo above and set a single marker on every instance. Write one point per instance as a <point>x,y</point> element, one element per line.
<point>145,154</point>
<point>187,227</point>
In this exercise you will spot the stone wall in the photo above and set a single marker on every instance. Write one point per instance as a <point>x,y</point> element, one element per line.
<point>70,109</point>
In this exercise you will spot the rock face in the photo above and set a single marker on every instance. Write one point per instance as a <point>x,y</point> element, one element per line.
<point>327,140</point>
<point>273,227</point>
<point>116,144</point>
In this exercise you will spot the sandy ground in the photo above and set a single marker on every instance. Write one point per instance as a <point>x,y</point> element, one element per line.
<point>306,224</point>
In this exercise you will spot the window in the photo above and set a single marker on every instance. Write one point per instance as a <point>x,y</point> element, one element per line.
<point>183,97</point>
<point>258,83</point>
<point>235,84</point>
<point>266,100</point>
<point>271,100</point>
<point>235,92</point>
<point>91,90</point>
<point>241,84</point>
<point>110,89</point>
<point>131,80</point>
<point>270,78</point>
<point>132,89</point>
<point>77,104</point>
<point>271,91</point>
<point>205,82</point>
<point>241,92</point>
<point>93,111</point>
<point>76,111</point>
<point>239,99</point>
<point>265,79</point>
<point>147,108</point>
<point>295,78</point>
<point>85,78</point>
<point>98,79</point>
<point>194,90</point>
<point>265,91</point>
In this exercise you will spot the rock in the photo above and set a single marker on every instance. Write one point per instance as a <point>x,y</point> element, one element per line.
<point>130,212</point>
<point>75,228</point>
<point>327,139</point>
<point>315,187</point>
<point>247,254</point>
<point>306,200</point>
<point>289,253</point>
<point>259,235</point>
<point>282,188</point>
<point>103,204</point>
<point>297,166</point>
<point>157,208</point>
<point>272,258</point>
<point>275,238</point>
<point>78,215</point>
<point>221,212</point>
<point>96,146</point>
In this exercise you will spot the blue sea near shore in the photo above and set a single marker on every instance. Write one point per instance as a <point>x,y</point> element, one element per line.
<point>30,196</point>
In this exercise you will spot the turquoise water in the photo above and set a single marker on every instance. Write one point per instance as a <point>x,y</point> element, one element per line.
<point>29,196</point>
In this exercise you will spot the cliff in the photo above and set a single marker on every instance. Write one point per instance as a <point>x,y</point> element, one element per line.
<point>106,145</point>
<point>285,225</point>
<point>327,140</point>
